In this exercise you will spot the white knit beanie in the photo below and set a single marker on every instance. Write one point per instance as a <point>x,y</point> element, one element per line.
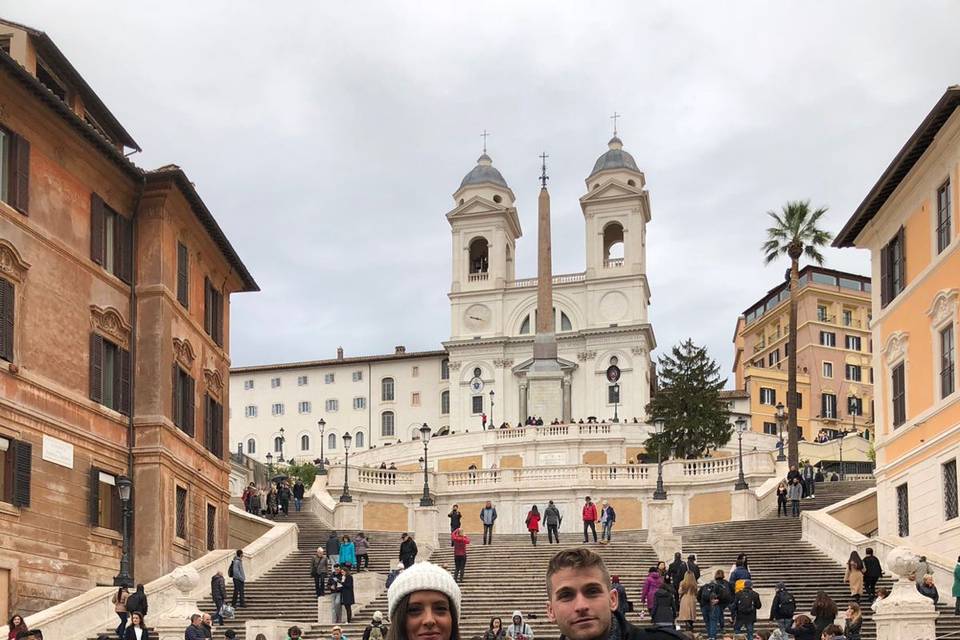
<point>423,576</point>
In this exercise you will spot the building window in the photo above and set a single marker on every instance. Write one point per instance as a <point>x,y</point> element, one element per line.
<point>847,318</point>
<point>613,394</point>
<point>943,216</point>
<point>276,409</point>
<point>274,383</point>
<point>828,406</point>
<point>828,339</point>
<point>414,372</point>
<point>899,395</point>
<point>415,399</point>
<point>111,239</point>
<point>445,369</point>
<point>109,374</point>
<point>852,372</point>
<point>304,406</point>
<point>386,390</point>
<point>181,513</point>
<point>332,405</point>
<point>827,369</point>
<point>331,441</point>
<point>768,396</point>
<point>277,444</point>
<point>247,385</point>
<point>6,319</point>
<point>444,403</point>
<point>893,271</point>
<point>950,510</point>
<point>211,527</point>
<point>359,403</point>
<point>328,378</point>
<point>821,313</point>
<point>773,357</point>
<point>251,446</point>
<point>386,424</point>
<point>903,511</point>
<point>852,342</point>
<point>183,275</point>
<point>357,376</point>
<point>213,312</point>
<point>358,440</point>
<point>947,361</point>
<point>476,405</point>
<point>304,442</point>
<point>770,428</point>
<point>15,471</point>
<point>213,426</point>
<point>183,403</point>
<point>302,381</point>
<point>14,170</point>
<point>854,406</point>
<point>250,411</point>
<point>104,500</point>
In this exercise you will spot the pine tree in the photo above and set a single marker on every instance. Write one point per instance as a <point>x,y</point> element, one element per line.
<point>695,418</point>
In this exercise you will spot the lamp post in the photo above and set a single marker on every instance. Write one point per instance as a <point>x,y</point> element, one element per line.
<point>781,417</point>
<point>426,500</point>
<point>616,401</point>
<point>123,579</point>
<point>659,493</point>
<point>269,466</point>
<point>741,423</point>
<point>283,441</point>
<point>491,414</point>
<point>346,497</point>
<point>322,471</point>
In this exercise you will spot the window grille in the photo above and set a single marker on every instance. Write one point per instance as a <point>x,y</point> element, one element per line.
<point>950,507</point>
<point>903,511</point>
<point>181,513</point>
<point>211,527</point>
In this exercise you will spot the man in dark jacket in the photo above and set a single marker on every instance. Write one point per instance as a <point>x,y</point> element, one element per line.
<point>195,630</point>
<point>455,518</point>
<point>283,497</point>
<point>408,550</point>
<point>319,571</point>
<point>745,606</point>
<point>488,516</point>
<point>809,478</point>
<point>137,601</point>
<point>676,571</point>
<point>783,607</point>
<point>347,599</point>
<point>239,598</point>
<point>692,566</point>
<point>553,520</point>
<point>332,548</point>
<point>872,572</point>
<point>218,592</point>
<point>718,591</point>
<point>583,605</point>
<point>298,490</point>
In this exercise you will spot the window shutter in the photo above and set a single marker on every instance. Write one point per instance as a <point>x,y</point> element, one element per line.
<point>22,470</point>
<point>189,406</point>
<point>773,396</point>
<point>20,174</point>
<point>208,423</point>
<point>97,229</point>
<point>96,368</point>
<point>94,497</point>
<point>902,267</point>
<point>124,249</point>
<point>884,275</point>
<point>6,320</point>
<point>174,410</point>
<point>207,306</point>
<point>123,406</point>
<point>218,316</point>
<point>183,279</point>
<point>218,430</point>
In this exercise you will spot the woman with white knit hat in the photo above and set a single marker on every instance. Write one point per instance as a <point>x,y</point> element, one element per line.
<point>424,604</point>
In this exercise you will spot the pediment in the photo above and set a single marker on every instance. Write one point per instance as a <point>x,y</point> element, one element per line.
<point>611,190</point>
<point>565,365</point>
<point>477,205</point>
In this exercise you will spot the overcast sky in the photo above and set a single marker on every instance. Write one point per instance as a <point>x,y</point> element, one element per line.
<point>328,137</point>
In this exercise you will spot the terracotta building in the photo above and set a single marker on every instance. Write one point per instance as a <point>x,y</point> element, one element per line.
<point>114,357</point>
<point>908,222</point>
<point>834,374</point>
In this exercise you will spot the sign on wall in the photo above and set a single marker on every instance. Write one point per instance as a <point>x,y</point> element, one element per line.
<point>58,452</point>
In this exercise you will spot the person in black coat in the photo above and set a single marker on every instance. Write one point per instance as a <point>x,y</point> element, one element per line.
<point>692,566</point>
<point>136,622</point>
<point>218,592</point>
<point>872,572</point>
<point>664,612</point>
<point>332,548</point>
<point>137,601</point>
<point>676,571</point>
<point>347,599</point>
<point>408,550</point>
<point>298,490</point>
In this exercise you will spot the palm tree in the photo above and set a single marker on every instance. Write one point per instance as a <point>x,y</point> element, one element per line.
<point>794,234</point>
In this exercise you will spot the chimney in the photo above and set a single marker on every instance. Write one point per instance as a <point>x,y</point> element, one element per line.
<point>399,349</point>
<point>339,353</point>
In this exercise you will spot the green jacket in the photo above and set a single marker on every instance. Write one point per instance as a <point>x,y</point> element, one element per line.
<point>956,581</point>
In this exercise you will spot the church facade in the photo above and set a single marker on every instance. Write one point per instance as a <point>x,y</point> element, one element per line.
<point>600,317</point>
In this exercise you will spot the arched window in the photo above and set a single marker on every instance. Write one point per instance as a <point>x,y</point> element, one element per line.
<point>386,390</point>
<point>251,446</point>
<point>613,244</point>
<point>358,440</point>
<point>444,402</point>
<point>331,441</point>
<point>304,442</point>
<point>277,444</point>
<point>386,424</point>
<point>479,261</point>
<point>445,369</point>
<point>525,326</point>
<point>565,324</point>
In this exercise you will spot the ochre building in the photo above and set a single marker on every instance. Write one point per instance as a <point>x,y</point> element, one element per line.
<point>114,351</point>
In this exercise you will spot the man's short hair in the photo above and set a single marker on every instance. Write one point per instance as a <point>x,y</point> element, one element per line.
<point>832,630</point>
<point>194,618</point>
<point>578,558</point>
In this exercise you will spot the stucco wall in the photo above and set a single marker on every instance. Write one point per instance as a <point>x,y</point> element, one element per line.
<point>710,507</point>
<point>385,516</point>
<point>594,457</point>
<point>461,463</point>
<point>861,515</point>
<point>243,531</point>
<point>511,462</point>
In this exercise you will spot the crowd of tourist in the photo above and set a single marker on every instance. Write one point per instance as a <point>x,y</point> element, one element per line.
<point>274,499</point>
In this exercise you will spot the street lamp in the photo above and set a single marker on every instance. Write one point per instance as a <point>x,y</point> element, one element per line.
<point>491,413</point>
<point>741,428</point>
<point>346,497</point>
<point>269,466</point>
<point>283,440</point>
<point>781,417</point>
<point>659,493</point>
<point>616,400</point>
<point>426,500</point>
<point>322,471</point>
<point>123,579</point>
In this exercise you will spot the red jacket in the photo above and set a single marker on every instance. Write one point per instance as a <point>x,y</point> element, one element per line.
<point>459,544</point>
<point>590,512</point>
<point>533,521</point>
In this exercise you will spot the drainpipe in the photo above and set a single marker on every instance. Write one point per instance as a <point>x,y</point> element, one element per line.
<point>133,369</point>
<point>369,405</point>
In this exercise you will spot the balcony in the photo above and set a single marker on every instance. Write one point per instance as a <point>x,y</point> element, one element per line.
<point>613,263</point>
<point>561,279</point>
<point>480,276</point>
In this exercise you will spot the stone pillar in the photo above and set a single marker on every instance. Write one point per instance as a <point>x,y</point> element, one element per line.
<point>743,505</point>
<point>523,402</point>
<point>170,625</point>
<point>426,530</point>
<point>367,585</point>
<point>660,533</point>
<point>346,515</point>
<point>905,614</point>
<point>567,400</point>
<point>545,394</point>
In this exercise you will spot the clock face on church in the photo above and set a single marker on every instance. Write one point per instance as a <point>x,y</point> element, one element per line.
<point>477,316</point>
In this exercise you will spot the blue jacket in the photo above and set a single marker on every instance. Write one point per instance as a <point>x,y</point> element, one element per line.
<point>348,554</point>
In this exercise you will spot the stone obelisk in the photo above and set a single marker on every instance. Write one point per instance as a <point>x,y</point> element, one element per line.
<point>545,378</point>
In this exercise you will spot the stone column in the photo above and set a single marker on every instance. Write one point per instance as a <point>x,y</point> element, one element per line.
<point>567,400</point>
<point>523,402</point>
<point>170,625</point>
<point>905,614</point>
<point>660,533</point>
<point>426,530</point>
<point>346,515</point>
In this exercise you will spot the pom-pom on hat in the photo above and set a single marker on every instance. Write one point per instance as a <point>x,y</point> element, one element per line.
<point>423,576</point>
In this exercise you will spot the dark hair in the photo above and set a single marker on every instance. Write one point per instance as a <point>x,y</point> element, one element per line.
<point>140,588</point>
<point>22,621</point>
<point>137,613</point>
<point>294,629</point>
<point>833,630</point>
<point>239,552</point>
<point>802,620</point>
<point>195,617</point>
<point>824,606</point>
<point>869,551</point>
<point>579,558</point>
<point>534,509</point>
<point>398,620</point>
<point>719,575</point>
<point>497,619</point>
<point>230,634</point>
<point>855,560</point>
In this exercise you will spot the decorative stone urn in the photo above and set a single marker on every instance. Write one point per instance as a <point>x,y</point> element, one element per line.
<point>905,614</point>
<point>173,621</point>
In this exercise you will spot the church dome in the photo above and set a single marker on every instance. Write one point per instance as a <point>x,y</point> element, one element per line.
<point>615,158</point>
<point>483,173</point>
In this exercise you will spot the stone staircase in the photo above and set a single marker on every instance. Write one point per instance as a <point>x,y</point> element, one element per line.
<point>829,493</point>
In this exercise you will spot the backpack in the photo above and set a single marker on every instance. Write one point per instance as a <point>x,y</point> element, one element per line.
<point>707,591</point>
<point>788,604</point>
<point>230,570</point>
<point>376,633</point>
<point>745,603</point>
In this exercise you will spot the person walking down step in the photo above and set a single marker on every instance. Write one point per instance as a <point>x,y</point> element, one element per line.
<point>794,493</point>
<point>533,524</point>
<point>872,572</point>
<point>298,491</point>
<point>320,571</point>
<point>783,607</point>
<point>607,519</point>
<point>781,499</point>
<point>332,548</point>
<point>854,576</point>
<point>235,571</point>
<point>459,542</point>
<point>589,514</point>
<point>335,586</point>
<point>692,566</point>
<point>362,549</point>
<point>375,630</point>
<point>488,516</point>
<point>455,518</point>
<point>553,520</point>
<point>408,550</point>
<point>518,629</point>
<point>745,606</point>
